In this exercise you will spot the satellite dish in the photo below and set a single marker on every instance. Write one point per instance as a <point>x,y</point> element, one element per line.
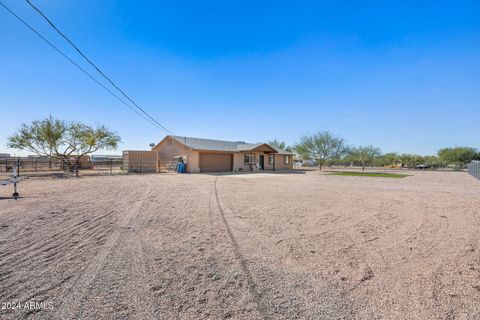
<point>152,145</point>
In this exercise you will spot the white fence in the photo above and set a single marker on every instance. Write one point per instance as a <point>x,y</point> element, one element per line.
<point>474,169</point>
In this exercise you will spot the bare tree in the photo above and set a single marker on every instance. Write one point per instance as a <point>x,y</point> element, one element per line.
<point>321,147</point>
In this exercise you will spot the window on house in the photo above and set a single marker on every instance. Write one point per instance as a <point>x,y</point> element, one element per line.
<point>270,158</point>
<point>248,158</point>
<point>286,159</point>
<point>169,142</point>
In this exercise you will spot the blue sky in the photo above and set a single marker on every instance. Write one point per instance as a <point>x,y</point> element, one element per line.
<point>400,75</point>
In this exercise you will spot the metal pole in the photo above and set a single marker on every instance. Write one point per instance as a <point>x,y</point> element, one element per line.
<point>15,193</point>
<point>15,177</point>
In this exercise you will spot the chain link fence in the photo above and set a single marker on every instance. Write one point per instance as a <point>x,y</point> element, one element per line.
<point>474,169</point>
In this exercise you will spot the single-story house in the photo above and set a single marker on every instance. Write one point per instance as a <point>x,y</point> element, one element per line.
<point>206,155</point>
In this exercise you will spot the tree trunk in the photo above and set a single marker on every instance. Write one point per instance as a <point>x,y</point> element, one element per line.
<point>363,168</point>
<point>320,167</point>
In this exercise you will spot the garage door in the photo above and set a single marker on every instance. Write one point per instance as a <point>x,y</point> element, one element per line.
<point>215,162</point>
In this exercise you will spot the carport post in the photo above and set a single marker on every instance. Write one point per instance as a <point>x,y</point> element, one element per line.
<point>250,164</point>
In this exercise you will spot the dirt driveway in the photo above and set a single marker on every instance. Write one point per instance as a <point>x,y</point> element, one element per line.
<point>306,246</point>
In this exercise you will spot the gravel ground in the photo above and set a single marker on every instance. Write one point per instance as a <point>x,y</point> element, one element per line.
<point>266,246</point>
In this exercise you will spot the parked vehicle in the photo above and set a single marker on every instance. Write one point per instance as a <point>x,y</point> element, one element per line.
<point>423,166</point>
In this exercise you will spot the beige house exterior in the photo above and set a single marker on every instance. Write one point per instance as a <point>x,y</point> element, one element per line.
<point>206,155</point>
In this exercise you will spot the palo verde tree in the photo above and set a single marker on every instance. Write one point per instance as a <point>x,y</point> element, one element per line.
<point>321,147</point>
<point>409,160</point>
<point>63,140</point>
<point>460,156</point>
<point>279,145</point>
<point>390,159</point>
<point>365,155</point>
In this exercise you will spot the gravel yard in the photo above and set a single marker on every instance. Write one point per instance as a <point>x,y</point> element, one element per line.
<point>252,246</point>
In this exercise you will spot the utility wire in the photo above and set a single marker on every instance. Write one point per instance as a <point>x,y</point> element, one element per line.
<point>95,66</point>
<point>77,65</point>
<point>74,63</point>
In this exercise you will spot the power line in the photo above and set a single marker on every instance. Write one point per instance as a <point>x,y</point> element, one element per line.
<point>77,65</point>
<point>73,62</point>
<point>95,66</point>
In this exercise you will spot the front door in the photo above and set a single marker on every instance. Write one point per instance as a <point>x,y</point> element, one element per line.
<point>261,161</point>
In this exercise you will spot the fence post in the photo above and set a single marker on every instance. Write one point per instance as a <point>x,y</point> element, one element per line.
<point>111,166</point>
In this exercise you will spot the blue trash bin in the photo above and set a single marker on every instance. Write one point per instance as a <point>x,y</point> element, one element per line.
<point>181,168</point>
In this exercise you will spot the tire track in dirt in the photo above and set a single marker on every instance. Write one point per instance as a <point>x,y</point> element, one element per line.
<point>78,290</point>
<point>175,238</point>
<point>32,270</point>
<point>217,241</point>
<point>252,287</point>
<point>302,293</point>
<point>78,223</point>
<point>213,220</point>
<point>45,245</point>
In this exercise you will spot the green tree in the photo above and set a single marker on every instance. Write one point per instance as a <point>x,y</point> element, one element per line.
<point>279,145</point>
<point>390,159</point>
<point>432,161</point>
<point>458,156</point>
<point>321,147</point>
<point>365,155</point>
<point>410,160</point>
<point>62,140</point>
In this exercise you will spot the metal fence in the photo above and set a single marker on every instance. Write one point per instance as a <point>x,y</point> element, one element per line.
<point>37,167</point>
<point>474,169</point>
<point>29,166</point>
